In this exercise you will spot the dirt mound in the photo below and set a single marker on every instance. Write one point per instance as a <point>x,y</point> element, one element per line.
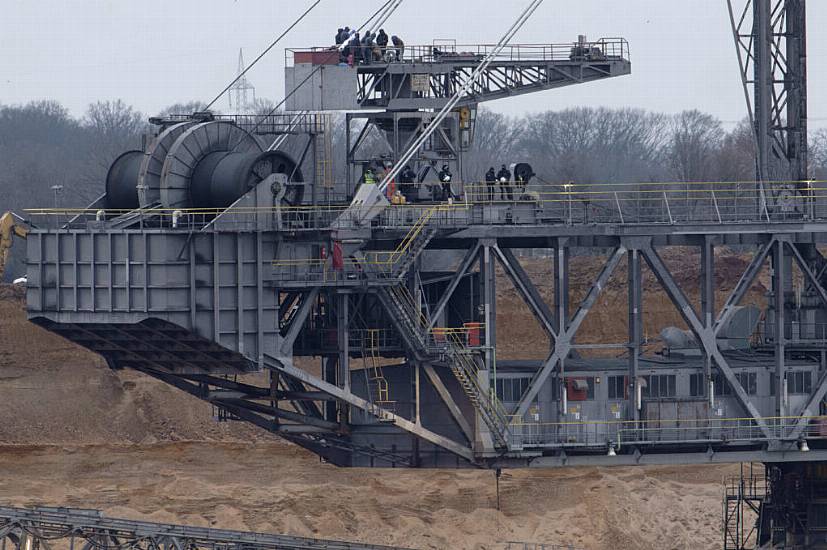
<point>275,488</point>
<point>59,393</point>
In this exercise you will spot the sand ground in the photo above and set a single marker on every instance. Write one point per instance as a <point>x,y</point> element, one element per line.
<point>75,433</point>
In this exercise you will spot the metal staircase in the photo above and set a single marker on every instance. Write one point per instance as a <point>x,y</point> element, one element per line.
<point>415,246</point>
<point>462,361</point>
<point>742,509</point>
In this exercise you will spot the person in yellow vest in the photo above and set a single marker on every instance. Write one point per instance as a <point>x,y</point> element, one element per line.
<point>369,176</point>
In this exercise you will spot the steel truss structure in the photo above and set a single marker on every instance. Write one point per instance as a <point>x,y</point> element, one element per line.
<point>771,42</point>
<point>265,308</point>
<point>395,99</point>
<point>42,528</point>
<point>237,311</point>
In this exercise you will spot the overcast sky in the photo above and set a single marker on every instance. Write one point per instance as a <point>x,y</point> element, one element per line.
<point>152,53</point>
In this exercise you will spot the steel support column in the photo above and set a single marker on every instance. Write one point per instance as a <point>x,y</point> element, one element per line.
<point>561,309</point>
<point>343,339</point>
<point>708,299</point>
<point>779,283</point>
<point>635,326</point>
<point>488,282</point>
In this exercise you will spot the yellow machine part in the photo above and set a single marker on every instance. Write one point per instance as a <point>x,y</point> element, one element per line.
<point>11,225</point>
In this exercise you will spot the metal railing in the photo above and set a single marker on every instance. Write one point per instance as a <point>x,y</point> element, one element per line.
<point>794,333</point>
<point>676,203</point>
<point>600,434</point>
<point>271,124</point>
<point>603,49</point>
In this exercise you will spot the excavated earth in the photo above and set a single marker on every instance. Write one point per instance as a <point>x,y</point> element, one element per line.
<point>75,433</point>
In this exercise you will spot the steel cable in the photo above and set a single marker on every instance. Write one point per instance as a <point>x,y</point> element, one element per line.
<point>383,12</point>
<point>262,54</point>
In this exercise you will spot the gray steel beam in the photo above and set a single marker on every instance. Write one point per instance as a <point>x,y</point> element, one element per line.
<point>445,395</point>
<point>488,278</point>
<point>635,290</point>
<point>707,299</point>
<point>524,285</point>
<point>664,459</point>
<point>779,282</point>
<point>462,270</point>
<point>353,399</point>
<point>811,408</point>
<point>563,343</point>
<point>705,337</point>
<point>743,285</point>
<point>561,284</point>
<point>298,321</point>
<point>808,273</point>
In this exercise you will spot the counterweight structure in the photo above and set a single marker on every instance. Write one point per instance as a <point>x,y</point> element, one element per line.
<point>368,336</point>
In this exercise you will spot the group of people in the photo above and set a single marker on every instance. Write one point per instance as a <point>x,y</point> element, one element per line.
<point>408,190</point>
<point>373,47</point>
<point>503,178</point>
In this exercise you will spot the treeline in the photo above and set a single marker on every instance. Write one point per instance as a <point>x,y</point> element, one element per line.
<point>596,145</point>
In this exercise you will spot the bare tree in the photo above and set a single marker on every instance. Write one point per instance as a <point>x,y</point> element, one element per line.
<point>495,140</point>
<point>185,108</point>
<point>695,139</point>
<point>736,155</point>
<point>818,155</point>
<point>112,127</point>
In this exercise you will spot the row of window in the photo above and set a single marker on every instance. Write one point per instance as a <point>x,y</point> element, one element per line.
<point>655,386</point>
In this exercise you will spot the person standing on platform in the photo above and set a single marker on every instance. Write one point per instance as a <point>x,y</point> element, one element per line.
<point>491,182</point>
<point>400,47</point>
<point>445,178</point>
<point>382,40</point>
<point>504,175</point>
<point>406,183</point>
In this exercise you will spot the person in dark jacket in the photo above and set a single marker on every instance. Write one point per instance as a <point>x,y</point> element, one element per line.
<point>367,48</point>
<point>445,178</point>
<point>491,182</point>
<point>382,39</point>
<point>355,49</point>
<point>504,177</point>
<point>340,36</point>
<point>406,183</point>
<point>400,47</point>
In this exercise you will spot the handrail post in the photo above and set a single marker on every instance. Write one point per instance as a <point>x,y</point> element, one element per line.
<point>668,210</point>
<point>715,202</point>
<point>619,210</point>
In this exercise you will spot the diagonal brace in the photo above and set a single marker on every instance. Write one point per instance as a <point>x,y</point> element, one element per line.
<point>353,399</point>
<point>743,285</point>
<point>298,322</point>
<point>462,270</point>
<point>706,336</point>
<point>563,342</point>
<point>526,288</point>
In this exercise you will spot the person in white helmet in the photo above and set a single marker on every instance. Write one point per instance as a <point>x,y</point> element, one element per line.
<point>445,178</point>
<point>504,177</point>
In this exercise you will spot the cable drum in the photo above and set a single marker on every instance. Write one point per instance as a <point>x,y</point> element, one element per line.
<point>122,181</point>
<point>149,178</point>
<point>192,147</point>
<point>220,178</point>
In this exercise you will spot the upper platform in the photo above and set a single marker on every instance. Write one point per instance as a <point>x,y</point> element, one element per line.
<point>426,77</point>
